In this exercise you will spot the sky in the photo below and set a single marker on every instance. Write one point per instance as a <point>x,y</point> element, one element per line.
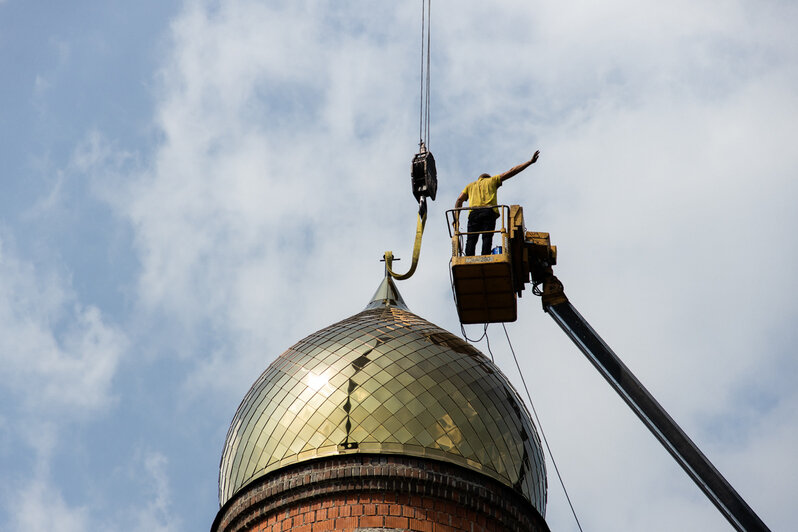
<point>188,188</point>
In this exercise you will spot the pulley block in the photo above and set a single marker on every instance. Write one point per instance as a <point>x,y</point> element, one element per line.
<point>424,176</point>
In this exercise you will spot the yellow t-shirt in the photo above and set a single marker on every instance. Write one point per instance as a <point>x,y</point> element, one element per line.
<point>482,192</point>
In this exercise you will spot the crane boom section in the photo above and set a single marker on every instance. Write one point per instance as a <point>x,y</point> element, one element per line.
<point>653,416</point>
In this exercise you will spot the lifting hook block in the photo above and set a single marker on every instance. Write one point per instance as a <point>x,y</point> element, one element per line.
<point>423,175</point>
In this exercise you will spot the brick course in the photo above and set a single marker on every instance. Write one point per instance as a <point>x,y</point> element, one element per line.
<point>358,492</point>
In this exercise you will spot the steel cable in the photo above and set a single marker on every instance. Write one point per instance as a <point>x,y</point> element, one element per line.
<point>543,434</point>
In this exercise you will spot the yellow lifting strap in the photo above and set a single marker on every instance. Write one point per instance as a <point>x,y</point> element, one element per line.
<point>422,221</point>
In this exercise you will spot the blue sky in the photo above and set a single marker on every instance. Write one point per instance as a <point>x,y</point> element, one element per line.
<point>189,188</point>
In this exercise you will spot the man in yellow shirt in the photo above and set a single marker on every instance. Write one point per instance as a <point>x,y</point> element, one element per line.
<point>482,193</point>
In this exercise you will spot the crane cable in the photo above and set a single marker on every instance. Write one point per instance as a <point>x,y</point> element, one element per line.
<point>424,78</point>
<point>537,420</point>
<point>423,133</point>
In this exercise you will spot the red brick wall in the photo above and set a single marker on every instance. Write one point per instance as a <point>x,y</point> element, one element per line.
<point>378,510</point>
<point>355,493</point>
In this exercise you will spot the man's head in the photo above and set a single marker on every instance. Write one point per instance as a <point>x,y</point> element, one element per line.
<point>484,176</point>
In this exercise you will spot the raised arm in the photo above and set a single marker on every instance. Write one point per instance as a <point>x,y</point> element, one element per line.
<point>520,168</point>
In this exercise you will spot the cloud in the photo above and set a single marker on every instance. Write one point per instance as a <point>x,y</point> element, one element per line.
<point>59,359</point>
<point>39,506</point>
<point>59,356</point>
<point>265,180</point>
<point>156,515</point>
<point>665,179</point>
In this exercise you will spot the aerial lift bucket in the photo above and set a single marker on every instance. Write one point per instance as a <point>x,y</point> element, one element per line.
<point>483,284</point>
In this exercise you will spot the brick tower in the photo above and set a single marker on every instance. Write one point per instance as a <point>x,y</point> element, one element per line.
<point>382,422</point>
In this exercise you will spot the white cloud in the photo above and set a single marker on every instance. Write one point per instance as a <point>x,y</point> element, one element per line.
<point>40,507</point>
<point>156,515</point>
<point>59,356</point>
<point>263,186</point>
<point>59,359</point>
<point>665,180</point>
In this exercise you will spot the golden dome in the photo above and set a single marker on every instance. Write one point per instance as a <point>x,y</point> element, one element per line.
<point>384,382</point>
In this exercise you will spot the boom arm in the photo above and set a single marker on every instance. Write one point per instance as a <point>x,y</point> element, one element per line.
<point>533,258</point>
<point>653,416</point>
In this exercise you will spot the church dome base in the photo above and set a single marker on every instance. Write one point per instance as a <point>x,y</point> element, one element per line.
<point>361,492</point>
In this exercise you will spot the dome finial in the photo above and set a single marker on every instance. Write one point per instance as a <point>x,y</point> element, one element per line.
<point>387,295</point>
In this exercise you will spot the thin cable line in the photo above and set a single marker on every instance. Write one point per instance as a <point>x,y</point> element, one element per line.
<point>429,37</point>
<point>424,75</point>
<point>487,341</point>
<point>421,79</point>
<point>537,419</point>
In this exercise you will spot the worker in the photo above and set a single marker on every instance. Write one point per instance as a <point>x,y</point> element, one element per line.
<point>481,197</point>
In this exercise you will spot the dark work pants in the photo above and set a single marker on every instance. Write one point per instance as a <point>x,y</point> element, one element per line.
<point>480,220</point>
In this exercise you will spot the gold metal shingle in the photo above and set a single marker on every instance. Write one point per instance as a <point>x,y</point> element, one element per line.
<point>384,381</point>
